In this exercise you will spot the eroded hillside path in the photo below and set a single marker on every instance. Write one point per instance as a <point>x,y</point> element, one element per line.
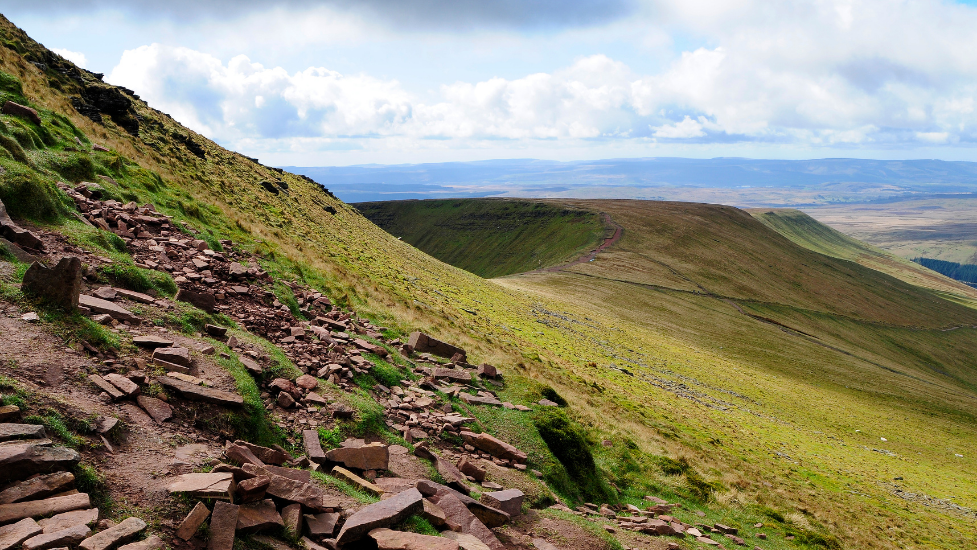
<point>590,256</point>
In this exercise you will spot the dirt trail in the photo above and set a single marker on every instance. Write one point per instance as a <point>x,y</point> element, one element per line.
<point>590,256</point>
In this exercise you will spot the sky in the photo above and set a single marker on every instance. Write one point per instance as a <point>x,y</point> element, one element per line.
<point>340,82</point>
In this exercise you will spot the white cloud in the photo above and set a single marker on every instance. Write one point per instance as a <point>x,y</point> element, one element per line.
<point>77,58</point>
<point>827,73</point>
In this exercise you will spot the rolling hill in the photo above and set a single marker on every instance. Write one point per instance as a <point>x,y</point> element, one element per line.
<point>703,357</point>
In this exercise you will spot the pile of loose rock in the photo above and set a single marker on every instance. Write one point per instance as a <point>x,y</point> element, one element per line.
<point>36,482</point>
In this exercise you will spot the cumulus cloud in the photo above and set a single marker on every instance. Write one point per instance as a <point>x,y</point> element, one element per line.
<point>881,73</point>
<point>77,58</point>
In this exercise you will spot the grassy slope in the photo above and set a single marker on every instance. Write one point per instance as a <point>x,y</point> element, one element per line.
<point>708,383</point>
<point>814,235</point>
<point>776,403</point>
<point>489,237</point>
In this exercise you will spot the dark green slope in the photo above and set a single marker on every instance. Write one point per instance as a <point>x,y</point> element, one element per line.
<point>490,237</point>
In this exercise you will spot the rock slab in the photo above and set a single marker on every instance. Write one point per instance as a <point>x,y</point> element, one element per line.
<point>258,516</point>
<point>222,526</point>
<point>113,536</point>
<point>69,519</point>
<point>158,409</point>
<point>200,393</point>
<point>58,539</point>
<point>12,535</point>
<point>97,305</point>
<point>398,540</point>
<point>60,285</point>
<point>21,431</point>
<point>193,521</point>
<point>38,487</point>
<point>46,507</point>
<point>381,514</point>
<point>373,456</point>
<point>21,461</point>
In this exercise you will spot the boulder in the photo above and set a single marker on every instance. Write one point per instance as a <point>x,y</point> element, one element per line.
<point>193,521</point>
<point>258,516</point>
<point>509,501</point>
<point>292,518</point>
<point>469,468</point>
<point>21,431</point>
<point>422,343</point>
<point>307,382</point>
<point>38,487</point>
<point>158,409</point>
<point>58,539</point>
<point>321,525</point>
<point>373,456</point>
<point>59,285</point>
<point>20,461</point>
<point>253,489</point>
<point>223,524</point>
<point>313,448</point>
<point>46,507</point>
<point>203,300</point>
<point>494,446</point>
<point>460,519</point>
<point>487,371</point>
<point>381,514</point>
<point>290,490</point>
<point>106,293</point>
<point>267,455</point>
<point>97,305</point>
<point>469,542</point>
<point>22,111</point>
<point>200,393</point>
<point>176,355</point>
<point>399,540</point>
<point>113,392</point>
<point>69,519</point>
<point>152,341</point>
<point>11,536</point>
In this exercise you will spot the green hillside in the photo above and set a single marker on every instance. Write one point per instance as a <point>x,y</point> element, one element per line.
<point>490,237</point>
<point>704,358</point>
<point>814,235</point>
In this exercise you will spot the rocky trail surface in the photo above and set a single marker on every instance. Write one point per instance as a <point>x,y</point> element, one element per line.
<point>155,417</point>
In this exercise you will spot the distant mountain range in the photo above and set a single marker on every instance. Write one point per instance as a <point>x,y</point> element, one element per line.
<point>748,182</point>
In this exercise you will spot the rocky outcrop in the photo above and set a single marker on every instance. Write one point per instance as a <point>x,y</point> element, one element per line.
<point>59,285</point>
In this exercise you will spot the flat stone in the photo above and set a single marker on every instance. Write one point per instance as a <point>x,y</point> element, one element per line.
<point>106,387</point>
<point>97,305</point>
<point>307,382</point>
<point>462,376</point>
<point>105,293</point>
<point>433,514</point>
<point>223,526</point>
<point>20,461</point>
<point>368,457</point>
<point>494,446</point>
<point>200,393</point>
<point>149,543</point>
<point>193,521</point>
<point>399,540</point>
<point>174,354</point>
<point>69,519</point>
<point>152,341</point>
<point>290,490</point>
<point>469,468</point>
<point>313,448</point>
<point>215,331</point>
<point>11,536</point>
<point>212,485</point>
<point>126,386</point>
<point>134,296</point>
<point>159,410</point>
<point>242,455</point>
<point>321,525</point>
<point>251,365</point>
<point>203,300</point>
<point>106,424</point>
<point>491,517</point>
<point>60,285</point>
<point>461,519</point>
<point>466,541</point>
<point>302,476</point>
<point>542,544</point>
<point>171,367</point>
<point>422,343</point>
<point>509,501</point>
<point>38,487</point>
<point>479,400</point>
<point>356,481</point>
<point>258,516</point>
<point>58,539</point>
<point>292,518</point>
<point>9,412</point>
<point>113,536</point>
<point>21,431</point>
<point>448,471</point>
<point>381,514</point>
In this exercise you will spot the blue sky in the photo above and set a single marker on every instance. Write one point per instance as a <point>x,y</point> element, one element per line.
<point>339,82</point>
